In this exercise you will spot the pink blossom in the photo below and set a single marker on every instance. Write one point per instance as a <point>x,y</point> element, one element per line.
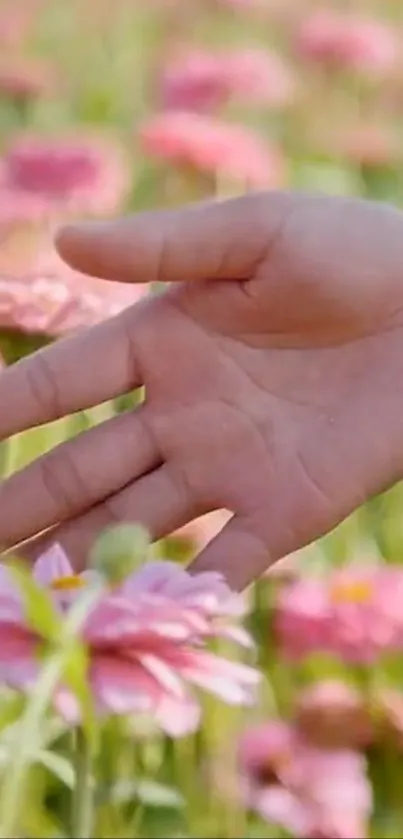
<point>347,41</point>
<point>199,80</point>
<point>367,145</point>
<point>355,613</point>
<point>359,141</point>
<point>23,79</point>
<point>146,641</point>
<point>55,303</point>
<point>16,20</point>
<point>212,146</point>
<point>79,174</point>
<point>333,714</point>
<point>193,82</point>
<point>387,707</point>
<point>20,208</point>
<point>307,791</point>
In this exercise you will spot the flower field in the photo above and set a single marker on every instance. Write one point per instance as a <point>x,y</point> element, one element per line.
<point>137,700</point>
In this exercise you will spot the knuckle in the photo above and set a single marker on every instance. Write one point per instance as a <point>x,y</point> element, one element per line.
<point>188,491</point>
<point>43,387</point>
<point>64,484</point>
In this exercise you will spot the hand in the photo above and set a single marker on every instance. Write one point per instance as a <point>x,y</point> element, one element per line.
<point>273,375</point>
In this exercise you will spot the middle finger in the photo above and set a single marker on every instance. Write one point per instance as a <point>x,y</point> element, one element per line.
<point>76,475</point>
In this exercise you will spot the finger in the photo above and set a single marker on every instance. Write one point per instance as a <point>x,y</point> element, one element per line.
<point>155,501</point>
<point>237,552</point>
<point>73,374</point>
<point>76,475</point>
<point>218,240</point>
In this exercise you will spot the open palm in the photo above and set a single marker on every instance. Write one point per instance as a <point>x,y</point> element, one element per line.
<point>271,367</point>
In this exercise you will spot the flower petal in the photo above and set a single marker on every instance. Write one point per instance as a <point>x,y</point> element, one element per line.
<point>277,804</point>
<point>178,717</point>
<point>234,683</point>
<point>52,565</point>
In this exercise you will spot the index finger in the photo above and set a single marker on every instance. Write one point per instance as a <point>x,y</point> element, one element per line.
<point>73,374</point>
<point>209,240</point>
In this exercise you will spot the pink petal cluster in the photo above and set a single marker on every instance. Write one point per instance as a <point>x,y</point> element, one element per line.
<point>20,208</point>
<point>16,20</point>
<point>307,791</point>
<point>146,640</point>
<point>199,80</point>
<point>215,147</point>
<point>23,79</point>
<point>353,43</point>
<point>54,303</point>
<point>333,714</point>
<point>355,613</point>
<point>388,715</point>
<point>73,174</point>
<point>362,143</point>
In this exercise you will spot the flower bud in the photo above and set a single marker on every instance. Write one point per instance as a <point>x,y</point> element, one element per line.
<point>332,714</point>
<point>119,552</point>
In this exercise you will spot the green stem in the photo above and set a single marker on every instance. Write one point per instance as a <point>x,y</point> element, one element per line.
<point>83,795</point>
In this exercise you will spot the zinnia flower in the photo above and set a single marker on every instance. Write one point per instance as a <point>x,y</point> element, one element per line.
<point>199,80</point>
<point>355,613</point>
<point>20,208</point>
<point>309,792</point>
<point>52,304</point>
<point>74,174</point>
<point>348,42</point>
<point>24,80</point>
<point>212,146</point>
<point>333,714</point>
<point>146,640</point>
<point>16,20</point>
<point>54,300</point>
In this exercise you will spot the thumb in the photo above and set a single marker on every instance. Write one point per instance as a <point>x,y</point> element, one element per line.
<point>217,240</point>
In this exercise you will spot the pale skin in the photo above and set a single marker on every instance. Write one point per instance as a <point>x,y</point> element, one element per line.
<point>273,372</point>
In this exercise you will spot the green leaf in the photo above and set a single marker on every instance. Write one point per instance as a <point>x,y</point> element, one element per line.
<point>148,792</point>
<point>58,765</point>
<point>11,708</point>
<point>40,612</point>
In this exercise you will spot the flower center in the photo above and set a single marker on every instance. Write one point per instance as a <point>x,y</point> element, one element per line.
<point>74,581</point>
<point>357,591</point>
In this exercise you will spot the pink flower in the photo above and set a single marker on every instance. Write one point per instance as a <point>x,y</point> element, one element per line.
<point>333,714</point>
<point>199,81</point>
<point>368,145</point>
<point>23,79</point>
<point>16,20</point>
<point>359,141</point>
<point>53,304</point>
<point>146,641</point>
<point>193,82</point>
<point>355,613</point>
<point>79,174</point>
<point>307,791</point>
<point>20,208</point>
<point>352,43</point>
<point>212,146</point>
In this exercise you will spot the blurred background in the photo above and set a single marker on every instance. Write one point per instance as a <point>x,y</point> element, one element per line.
<point>116,106</point>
